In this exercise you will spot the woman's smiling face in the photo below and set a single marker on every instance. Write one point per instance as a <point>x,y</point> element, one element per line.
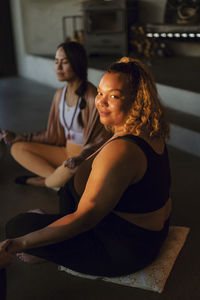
<point>113,100</point>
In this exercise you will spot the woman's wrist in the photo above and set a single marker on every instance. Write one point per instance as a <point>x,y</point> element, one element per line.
<point>17,245</point>
<point>21,138</point>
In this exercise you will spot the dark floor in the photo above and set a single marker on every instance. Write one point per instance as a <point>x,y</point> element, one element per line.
<point>24,107</point>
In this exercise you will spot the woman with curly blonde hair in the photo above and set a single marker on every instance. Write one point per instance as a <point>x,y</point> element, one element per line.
<point>120,193</point>
<point>146,113</point>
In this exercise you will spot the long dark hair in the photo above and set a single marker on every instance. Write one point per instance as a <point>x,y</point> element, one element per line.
<point>77,57</point>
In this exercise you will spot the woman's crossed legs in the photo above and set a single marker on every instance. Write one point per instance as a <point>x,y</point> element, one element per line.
<point>44,160</point>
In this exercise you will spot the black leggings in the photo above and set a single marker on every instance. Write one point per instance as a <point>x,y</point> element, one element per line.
<point>113,247</point>
<point>3,284</point>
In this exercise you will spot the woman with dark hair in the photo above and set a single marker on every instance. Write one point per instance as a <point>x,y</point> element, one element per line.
<point>73,131</point>
<point>121,193</point>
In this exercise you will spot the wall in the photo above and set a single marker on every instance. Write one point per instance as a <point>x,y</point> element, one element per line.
<point>42,69</point>
<point>42,23</point>
<point>152,11</point>
<point>40,18</point>
<point>35,32</point>
<point>37,29</point>
<point>30,66</point>
<point>7,57</point>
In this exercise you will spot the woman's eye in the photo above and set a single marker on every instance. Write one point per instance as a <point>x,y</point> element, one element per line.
<point>99,94</point>
<point>64,62</point>
<point>115,96</point>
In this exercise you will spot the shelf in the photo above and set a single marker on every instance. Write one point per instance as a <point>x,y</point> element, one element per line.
<point>173,31</point>
<point>172,28</point>
<point>177,71</point>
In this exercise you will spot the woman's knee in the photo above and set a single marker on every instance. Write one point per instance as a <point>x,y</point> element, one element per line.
<point>18,148</point>
<point>59,177</point>
<point>28,222</point>
<point>16,226</point>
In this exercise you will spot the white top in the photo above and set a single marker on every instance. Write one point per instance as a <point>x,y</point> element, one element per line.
<point>76,131</point>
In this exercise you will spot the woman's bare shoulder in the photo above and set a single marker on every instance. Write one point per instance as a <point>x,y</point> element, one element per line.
<point>91,91</point>
<point>121,152</point>
<point>57,96</point>
<point>120,146</point>
<point>59,91</point>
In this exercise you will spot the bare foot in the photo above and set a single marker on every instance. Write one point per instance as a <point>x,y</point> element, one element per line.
<point>39,181</point>
<point>36,181</point>
<point>27,258</point>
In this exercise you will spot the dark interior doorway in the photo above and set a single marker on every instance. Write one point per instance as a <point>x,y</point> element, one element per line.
<point>7,54</point>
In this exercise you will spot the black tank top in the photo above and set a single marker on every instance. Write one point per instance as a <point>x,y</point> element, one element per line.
<point>152,191</point>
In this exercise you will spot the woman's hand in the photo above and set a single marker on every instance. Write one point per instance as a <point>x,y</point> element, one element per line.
<point>73,162</point>
<point>5,256</point>
<point>10,137</point>
<point>16,245</point>
<point>7,136</point>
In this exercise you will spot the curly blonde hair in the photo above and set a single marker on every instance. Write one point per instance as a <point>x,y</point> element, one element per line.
<point>146,112</point>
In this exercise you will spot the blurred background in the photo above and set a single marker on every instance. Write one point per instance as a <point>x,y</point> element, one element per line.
<point>165,34</point>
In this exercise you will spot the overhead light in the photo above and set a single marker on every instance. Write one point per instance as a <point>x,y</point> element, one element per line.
<point>150,34</point>
<point>173,35</point>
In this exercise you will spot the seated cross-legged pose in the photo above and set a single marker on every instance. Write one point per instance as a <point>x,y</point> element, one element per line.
<point>73,130</point>
<point>120,195</point>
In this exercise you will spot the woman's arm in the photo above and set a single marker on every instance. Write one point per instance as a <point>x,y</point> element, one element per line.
<point>10,137</point>
<point>54,133</point>
<point>94,133</point>
<point>113,170</point>
<point>5,257</point>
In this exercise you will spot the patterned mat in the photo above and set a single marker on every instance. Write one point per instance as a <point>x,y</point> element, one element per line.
<point>154,276</point>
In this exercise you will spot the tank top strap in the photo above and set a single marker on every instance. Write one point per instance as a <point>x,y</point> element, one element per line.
<point>62,99</point>
<point>138,141</point>
<point>148,150</point>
